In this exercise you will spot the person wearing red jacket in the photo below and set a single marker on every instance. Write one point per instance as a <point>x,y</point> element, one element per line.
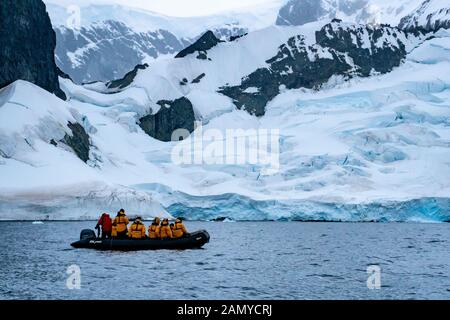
<point>106,223</point>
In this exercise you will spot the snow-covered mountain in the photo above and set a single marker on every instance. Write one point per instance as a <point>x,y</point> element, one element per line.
<point>362,113</point>
<point>431,15</point>
<point>299,12</point>
<point>128,36</point>
<point>361,149</point>
<point>109,49</point>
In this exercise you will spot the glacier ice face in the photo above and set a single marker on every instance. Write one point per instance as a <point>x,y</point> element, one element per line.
<point>367,149</point>
<point>373,149</point>
<point>43,178</point>
<point>79,201</point>
<point>235,207</point>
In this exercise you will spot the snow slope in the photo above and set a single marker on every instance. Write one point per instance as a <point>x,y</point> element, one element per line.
<point>366,149</point>
<point>40,180</point>
<point>229,63</point>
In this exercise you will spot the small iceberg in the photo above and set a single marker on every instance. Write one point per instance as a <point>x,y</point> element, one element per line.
<point>222,219</point>
<point>37,222</point>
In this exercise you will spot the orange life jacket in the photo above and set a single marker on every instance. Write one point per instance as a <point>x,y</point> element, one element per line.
<point>137,230</point>
<point>179,229</point>
<point>120,222</point>
<point>165,232</point>
<point>153,231</point>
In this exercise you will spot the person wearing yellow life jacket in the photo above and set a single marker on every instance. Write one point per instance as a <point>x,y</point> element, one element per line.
<point>153,229</point>
<point>164,231</point>
<point>137,229</point>
<point>179,230</point>
<point>120,223</point>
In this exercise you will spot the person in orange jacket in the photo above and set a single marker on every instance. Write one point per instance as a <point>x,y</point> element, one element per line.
<point>120,224</point>
<point>154,228</point>
<point>137,229</point>
<point>179,230</point>
<point>165,231</point>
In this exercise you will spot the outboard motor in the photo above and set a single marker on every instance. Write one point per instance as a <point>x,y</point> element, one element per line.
<point>87,234</point>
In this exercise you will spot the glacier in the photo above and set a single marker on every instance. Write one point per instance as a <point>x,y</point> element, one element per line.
<point>364,149</point>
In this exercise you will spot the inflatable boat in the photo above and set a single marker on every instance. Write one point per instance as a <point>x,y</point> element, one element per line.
<point>88,240</point>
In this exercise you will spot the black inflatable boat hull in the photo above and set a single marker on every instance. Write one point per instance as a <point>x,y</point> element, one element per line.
<point>195,241</point>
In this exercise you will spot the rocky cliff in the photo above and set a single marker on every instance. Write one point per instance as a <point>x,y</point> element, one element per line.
<point>27,45</point>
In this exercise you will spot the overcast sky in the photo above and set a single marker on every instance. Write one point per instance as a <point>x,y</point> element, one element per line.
<point>176,7</point>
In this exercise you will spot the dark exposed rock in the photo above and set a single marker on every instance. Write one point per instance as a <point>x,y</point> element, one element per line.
<point>202,55</point>
<point>233,38</point>
<point>27,44</point>
<point>127,79</point>
<point>199,78</point>
<point>379,58</point>
<point>202,45</point>
<point>414,20</point>
<point>78,141</point>
<point>62,74</point>
<point>173,115</point>
<point>339,50</point>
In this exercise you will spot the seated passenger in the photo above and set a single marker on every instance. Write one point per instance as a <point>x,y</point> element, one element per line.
<point>165,231</point>
<point>137,229</point>
<point>179,230</point>
<point>120,223</point>
<point>153,229</point>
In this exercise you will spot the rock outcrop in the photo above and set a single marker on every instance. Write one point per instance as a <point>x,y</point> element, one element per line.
<point>201,46</point>
<point>127,79</point>
<point>340,50</point>
<point>78,141</point>
<point>173,115</point>
<point>27,45</point>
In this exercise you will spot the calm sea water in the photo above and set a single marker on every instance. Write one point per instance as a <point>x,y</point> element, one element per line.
<point>244,260</point>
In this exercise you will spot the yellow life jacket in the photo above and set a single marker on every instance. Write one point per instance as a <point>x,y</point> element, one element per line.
<point>153,231</point>
<point>165,232</point>
<point>121,221</point>
<point>179,229</point>
<point>113,231</point>
<point>137,230</point>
